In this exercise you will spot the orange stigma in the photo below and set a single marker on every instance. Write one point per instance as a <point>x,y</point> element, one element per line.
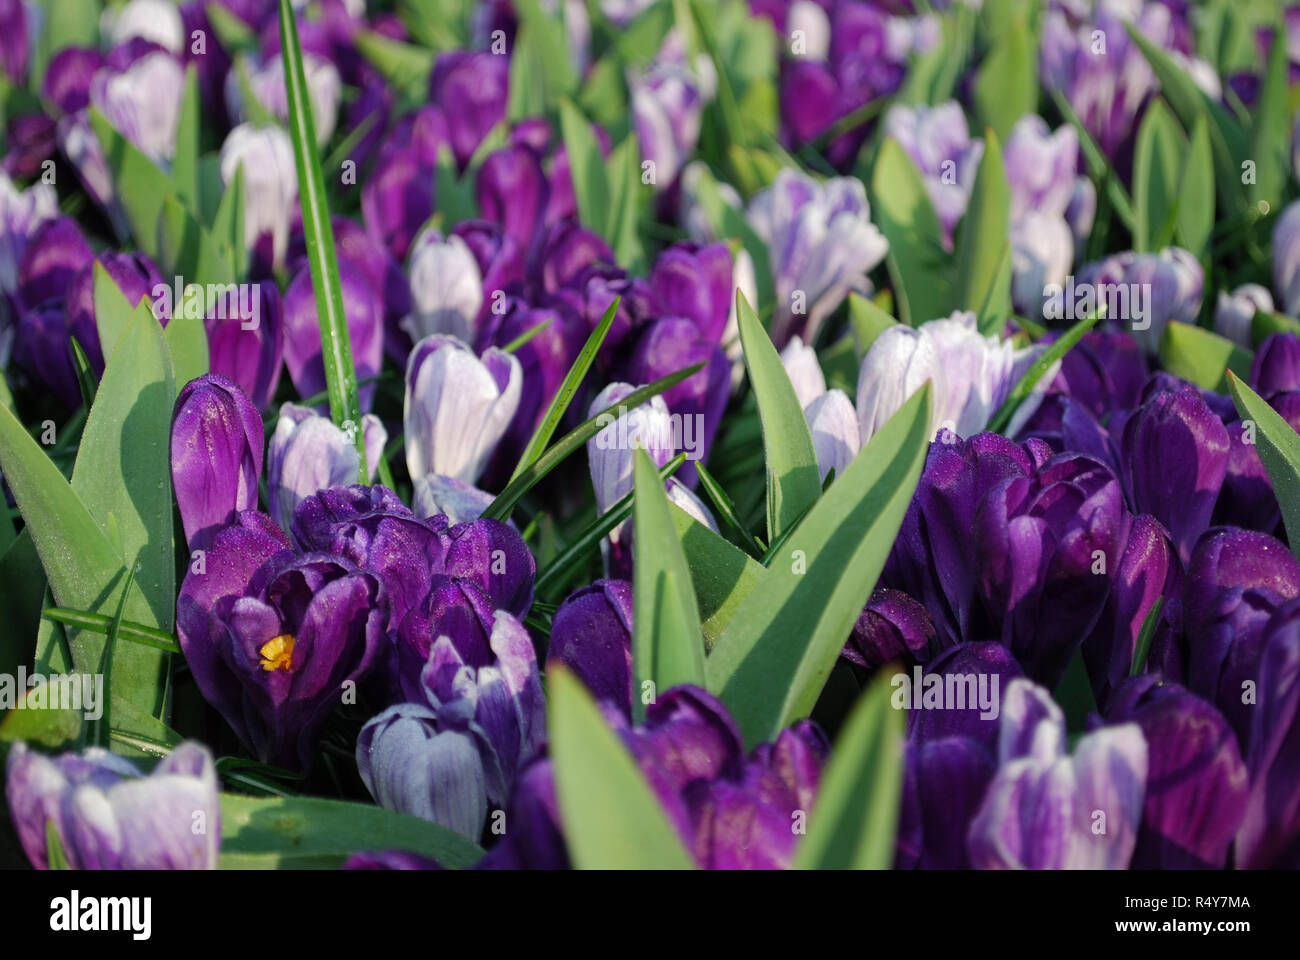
<point>277,653</point>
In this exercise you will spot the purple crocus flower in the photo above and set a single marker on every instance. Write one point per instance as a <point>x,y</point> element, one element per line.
<point>479,721</point>
<point>57,252</point>
<point>30,140</point>
<point>932,558</point>
<point>674,343</point>
<point>397,197</point>
<point>1046,809</point>
<point>513,191</point>
<point>565,251</point>
<point>667,100</point>
<point>308,452</point>
<point>891,627</point>
<point>1271,829</point>
<point>1042,544</point>
<point>68,76</point>
<point>1276,368</point>
<point>302,344</point>
<point>591,634</point>
<point>275,639</point>
<point>471,89</point>
<point>939,143</point>
<point>944,782</point>
<point>458,406</point>
<point>455,608</point>
<point>695,282</point>
<point>248,348</point>
<point>372,528</point>
<point>1175,452</point>
<point>1146,570</point>
<point>1235,581</point>
<point>21,213</point>
<point>108,816</point>
<point>821,243</point>
<point>14,40</point>
<point>493,555</point>
<point>1196,780</point>
<point>610,452</point>
<point>41,349</point>
<point>979,670</point>
<point>216,456</point>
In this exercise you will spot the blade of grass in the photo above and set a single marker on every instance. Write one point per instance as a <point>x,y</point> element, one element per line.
<point>101,726</point>
<point>98,623</point>
<point>727,509</point>
<point>336,346</point>
<point>564,396</point>
<point>1035,373</point>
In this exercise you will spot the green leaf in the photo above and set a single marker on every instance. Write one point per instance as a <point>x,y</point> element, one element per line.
<point>867,321</point>
<point>667,648</point>
<point>336,345</point>
<point>547,31</point>
<point>188,251</point>
<point>919,268</point>
<point>776,652</point>
<point>1006,86</point>
<point>232,33</point>
<point>527,96</point>
<point>20,600</point>
<point>138,185</point>
<point>726,508</point>
<point>1265,323</point>
<point>113,312</point>
<point>721,575</point>
<point>293,833</point>
<point>185,163</point>
<point>228,224</point>
<point>123,477</point>
<point>852,825</point>
<point>1098,166</point>
<point>983,285</point>
<point>1143,647</point>
<point>1037,370</point>
<point>612,820</point>
<point>793,481</point>
<point>1189,102</point>
<point>1196,188</point>
<point>187,340</point>
<point>571,442</point>
<point>1201,356</point>
<point>57,859</point>
<point>1279,449</point>
<point>85,374</point>
<point>126,630</point>
<point>456,200</point>
<point>625,195</point>
<point>1270,133</point>
<point>590,180</point>
<point>406,66</point>
<point>1157,167</point>
<point>564,395</point>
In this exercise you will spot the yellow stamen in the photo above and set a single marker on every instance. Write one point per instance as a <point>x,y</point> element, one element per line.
<point>277,653</point>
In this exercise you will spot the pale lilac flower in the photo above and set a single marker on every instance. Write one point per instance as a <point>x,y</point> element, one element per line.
<point>158,21</point>
<point>821,244</point>
<point>446,288</point>
<point>143,102</point>
<point>458,406</point>
<point>266,80</point>
<point>270,183</point>
<point>939,143</point>
<point>1235,312</point>
<point>308,453</point>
